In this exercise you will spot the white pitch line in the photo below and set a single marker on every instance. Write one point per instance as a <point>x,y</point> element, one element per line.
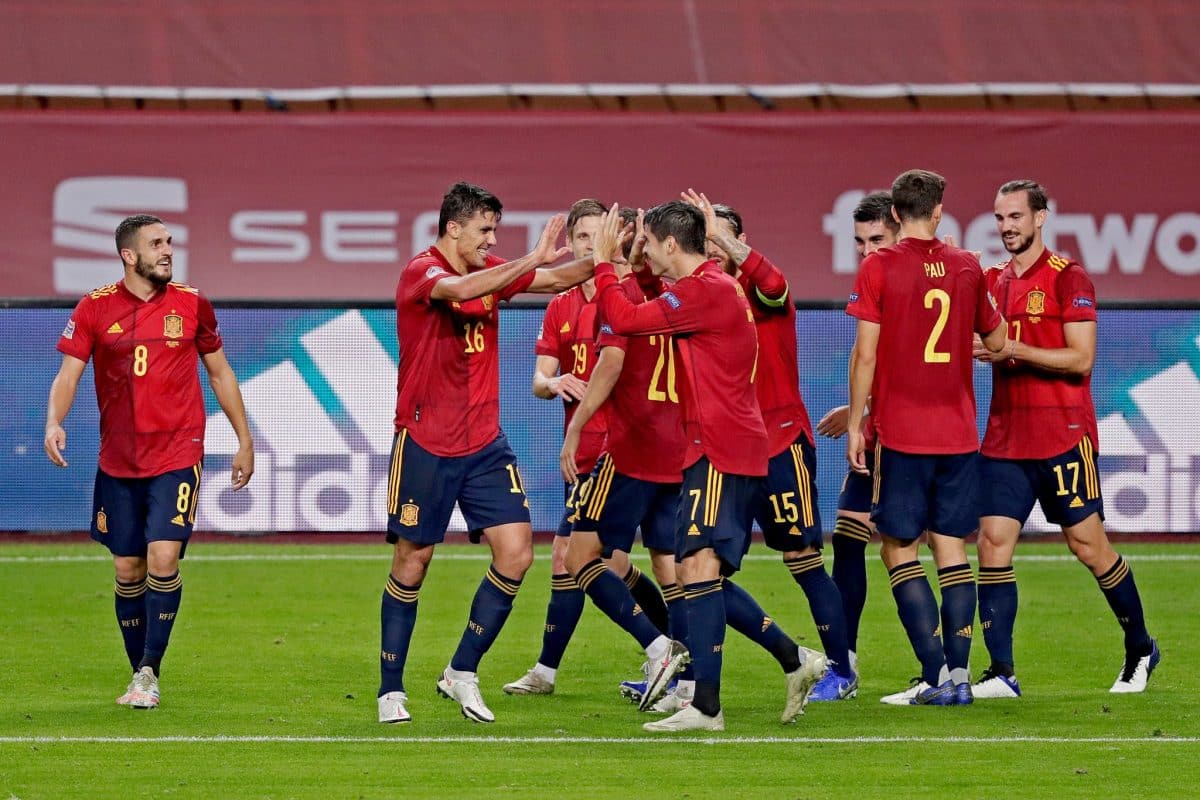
<point>656,741</point>
<point>383,556</point>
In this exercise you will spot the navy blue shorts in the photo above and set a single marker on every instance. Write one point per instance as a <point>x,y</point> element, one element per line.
<point>715,510</point>
<point>786,506</point>
<point>857,489</point>
<point>423,488</point>
<point>128,513</point>
<point>570,505</point>
<point>915,493</point>
<point>615,506</point>
<point>1067,486</point>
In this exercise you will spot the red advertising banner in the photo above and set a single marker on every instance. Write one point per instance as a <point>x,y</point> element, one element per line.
<point>330,206</point>
<point>267,44</point>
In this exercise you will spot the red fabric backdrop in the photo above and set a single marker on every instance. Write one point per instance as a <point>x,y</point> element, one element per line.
<point>330,206</point>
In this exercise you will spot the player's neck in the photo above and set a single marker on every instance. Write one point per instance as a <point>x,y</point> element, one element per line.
<point>139,287</point>
<point>918,229</point>
<point>1023,262</point>
<point>685,265</point>
<point>445,246</point>
<point>588,288</point>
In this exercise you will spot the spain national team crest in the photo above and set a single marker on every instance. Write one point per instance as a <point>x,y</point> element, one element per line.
<point>408,514</point>
<point>173,326</point>
<point>1035,303</point>
<point>101,521</point>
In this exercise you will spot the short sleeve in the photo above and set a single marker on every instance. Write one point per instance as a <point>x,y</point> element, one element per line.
<point>548,337</point>
<point>78,337</point>
<point>1076,295</point>
<point>987,315</point>
<point>208,332</point>
<point>866,301</point>
<point>418,279</point>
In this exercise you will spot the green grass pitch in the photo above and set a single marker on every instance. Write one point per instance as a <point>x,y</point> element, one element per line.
<point>269,691</point>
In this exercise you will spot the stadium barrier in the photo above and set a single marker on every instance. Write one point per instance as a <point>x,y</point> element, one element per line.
<point>319,384</point>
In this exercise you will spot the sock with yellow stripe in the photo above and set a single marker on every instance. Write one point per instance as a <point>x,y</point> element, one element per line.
<point>998,615</point>
<point>492,604</point>
<point>1122,595</point>
<point>130,601</point>
<point>645,592</point>
<point>825,603</point>
<point>957,585</point>
<point>162,605</point>
<point>611,595</point>
<point>745,615</point>
<point>397,616</point>
<point>850,538</point>
<point>562,615</point>
<point>919,614</point>
<point>706,640</point>
<point>678,614</point>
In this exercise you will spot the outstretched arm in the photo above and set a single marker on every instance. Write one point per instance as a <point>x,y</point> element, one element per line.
<point>460,288</point>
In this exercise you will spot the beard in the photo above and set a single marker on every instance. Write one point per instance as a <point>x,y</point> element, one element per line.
<point>1019,245</point>
<point>146,269</point>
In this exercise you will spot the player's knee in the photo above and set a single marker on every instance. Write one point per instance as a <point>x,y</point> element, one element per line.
<point>129,569</point>
<point>514,563</point>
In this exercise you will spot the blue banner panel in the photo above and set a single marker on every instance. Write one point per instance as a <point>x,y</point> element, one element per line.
<point>319,386</point>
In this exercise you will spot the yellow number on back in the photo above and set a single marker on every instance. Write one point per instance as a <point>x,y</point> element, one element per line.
<point>932,354</point>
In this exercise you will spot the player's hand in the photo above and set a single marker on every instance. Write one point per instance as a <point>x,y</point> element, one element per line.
<point>566,458</point>
<point>856,451</point>
<point>56,442</point>
<point>568,387</point>
<point>243,467</point>
<point>697,199</point>
<point>981,353</point>
<point>607,246</point>
<point>835,423</point>
<point>547,251</point>
<point>637,255</point>
<point>952,242</point>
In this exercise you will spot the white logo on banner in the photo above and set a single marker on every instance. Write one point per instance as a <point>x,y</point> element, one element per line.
<point>86,214</point>
<point>1116,243</point>
<point>309,475</point>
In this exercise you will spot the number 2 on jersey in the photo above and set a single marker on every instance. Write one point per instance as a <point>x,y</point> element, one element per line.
<point>666,357</point>
<point>932,354</point>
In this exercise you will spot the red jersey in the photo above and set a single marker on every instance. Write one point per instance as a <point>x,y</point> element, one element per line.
<point>569,334</point>
<point>645,431</point>
<point>1036,413</point>
<point>448,382</point>
<point>716,352</point>
<point>144,354</point>
<point>928,299</point>
<point>777,384</point>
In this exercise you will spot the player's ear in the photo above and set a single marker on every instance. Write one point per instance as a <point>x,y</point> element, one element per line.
<point>128,257</point>
<point>453,229</point>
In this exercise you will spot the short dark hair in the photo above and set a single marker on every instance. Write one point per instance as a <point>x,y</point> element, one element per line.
<point>130,226</point>
<point>1037,194</point>
<point>462,200</point>
<point>876,207</point>
<point>587,207</point>
<point>730,215</point>
<point>679,219</point>
<point>916,193</point>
